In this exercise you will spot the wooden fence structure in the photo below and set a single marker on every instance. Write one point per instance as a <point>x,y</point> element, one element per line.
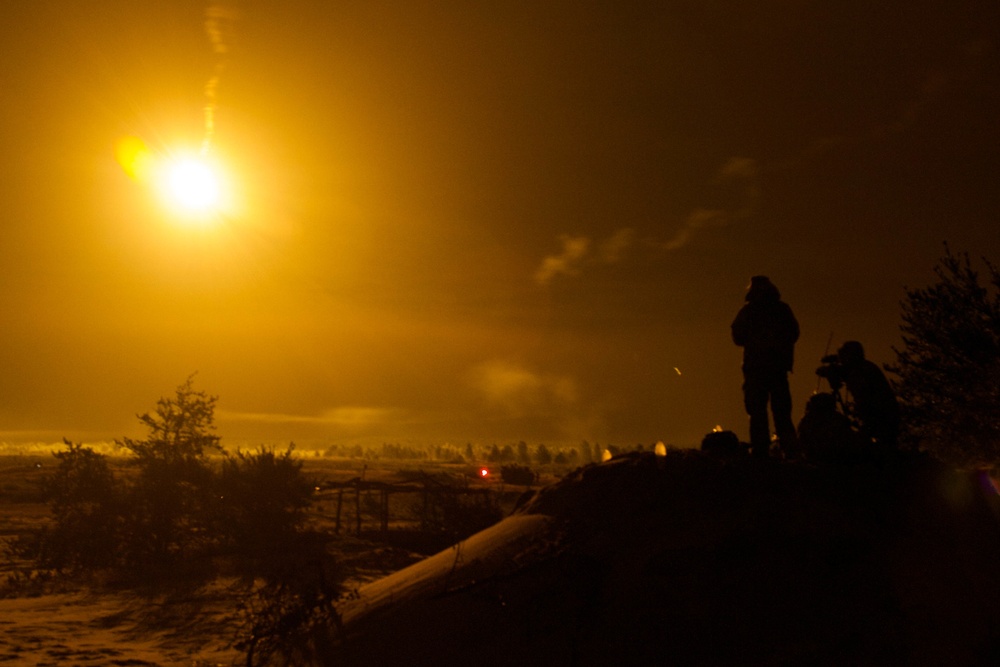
<point>349,496</point>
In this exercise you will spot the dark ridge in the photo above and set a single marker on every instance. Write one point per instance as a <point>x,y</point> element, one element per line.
<point>690,559</point>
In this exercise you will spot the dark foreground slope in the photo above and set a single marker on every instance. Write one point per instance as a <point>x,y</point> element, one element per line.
<point>689,559</point>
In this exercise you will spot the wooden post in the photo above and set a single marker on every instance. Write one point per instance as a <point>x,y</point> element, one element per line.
<point>423,515</point>
<point>340,503</point>
<point>385,511</point>
<point>357,505</point>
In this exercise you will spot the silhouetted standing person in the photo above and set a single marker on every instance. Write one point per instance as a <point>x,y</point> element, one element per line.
<point>767,330</point>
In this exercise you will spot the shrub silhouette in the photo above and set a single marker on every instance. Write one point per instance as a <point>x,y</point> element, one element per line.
<point>517,474</point>
<point>261,498</point>
<point>177,509</point>
<point>86,503</point>
<point>289,616</point>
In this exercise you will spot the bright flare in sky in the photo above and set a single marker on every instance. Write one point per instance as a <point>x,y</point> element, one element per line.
<point>190,184</point>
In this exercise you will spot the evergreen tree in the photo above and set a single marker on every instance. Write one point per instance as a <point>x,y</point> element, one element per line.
<point>948,368</point>
<point>171,500</point>
<point>523,457</point>
<point>180,430</point>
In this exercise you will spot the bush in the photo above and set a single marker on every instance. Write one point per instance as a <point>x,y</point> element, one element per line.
<point>290,616</point>
<point>178,509</point>
<point>261,498</point>
<point>517,474</point>
<point>86,503</point>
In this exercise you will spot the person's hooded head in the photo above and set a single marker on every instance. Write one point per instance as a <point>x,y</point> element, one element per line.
<point>762,289</point>
<point>851,353</point>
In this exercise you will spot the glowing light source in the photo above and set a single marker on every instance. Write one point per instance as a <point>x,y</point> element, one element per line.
<point>191,184</point>
<point>484,472</point>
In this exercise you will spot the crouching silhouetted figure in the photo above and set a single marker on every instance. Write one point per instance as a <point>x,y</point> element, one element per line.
<point>874,401</point>
<point>767,331</point>
<point>724,444</point>
<point>825,434</point>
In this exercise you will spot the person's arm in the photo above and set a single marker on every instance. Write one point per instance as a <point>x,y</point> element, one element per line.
<point>793,325</point>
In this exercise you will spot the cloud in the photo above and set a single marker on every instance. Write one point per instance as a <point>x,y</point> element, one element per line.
<point>576,253</point>
<point>343,416</point>
<point>613,249</point>
<point>519,391</point>
<point>565,263</point>
<point>738,180</point>
<point>738,184</point>
<point>739,167</point>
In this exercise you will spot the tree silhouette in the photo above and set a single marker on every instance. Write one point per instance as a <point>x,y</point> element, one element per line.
<point>948,368</point>
<point>173,497</point>
<point>523,455</point>
<point>181,428</point>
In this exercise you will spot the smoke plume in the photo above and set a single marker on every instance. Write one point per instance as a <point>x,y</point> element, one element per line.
<point>220,21</point>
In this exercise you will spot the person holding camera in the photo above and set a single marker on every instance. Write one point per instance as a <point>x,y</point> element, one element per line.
<point>767,330</point>
<point>874,402</point>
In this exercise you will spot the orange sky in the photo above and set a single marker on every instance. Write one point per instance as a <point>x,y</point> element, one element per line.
<point>480,222</point>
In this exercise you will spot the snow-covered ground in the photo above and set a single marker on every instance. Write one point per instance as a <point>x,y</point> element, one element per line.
<point>121,629</point>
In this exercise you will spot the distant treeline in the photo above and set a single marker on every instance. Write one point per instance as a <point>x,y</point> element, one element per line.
<point>521,453</point>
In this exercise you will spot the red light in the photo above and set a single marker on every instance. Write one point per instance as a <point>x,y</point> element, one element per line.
<point>483,472</point>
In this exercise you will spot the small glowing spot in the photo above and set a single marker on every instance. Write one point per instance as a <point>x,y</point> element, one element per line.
<point>677,370</point>
<point>660,449</point>
<point>717,429</point>
<point>484,472</point>
<point>606,455</point>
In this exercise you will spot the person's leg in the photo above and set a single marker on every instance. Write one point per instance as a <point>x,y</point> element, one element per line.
<point>755,401</point>
<point>781,407</point>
